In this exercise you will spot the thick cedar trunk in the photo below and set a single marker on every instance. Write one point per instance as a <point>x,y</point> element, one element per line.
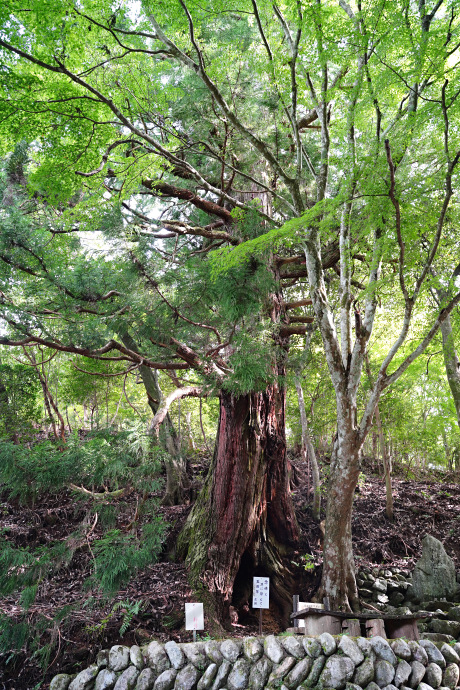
<point>243,522</point>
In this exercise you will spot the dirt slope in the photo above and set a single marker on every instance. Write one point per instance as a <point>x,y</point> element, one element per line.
<point>162,589</point>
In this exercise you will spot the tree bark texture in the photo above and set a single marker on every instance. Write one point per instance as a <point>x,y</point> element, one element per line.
<point>243,522</point>
<point>338,579</point>
<point>308,450</point>
<point>451,363</point>
<point>386,458</point>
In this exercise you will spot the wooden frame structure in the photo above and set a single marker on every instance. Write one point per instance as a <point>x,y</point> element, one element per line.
<point>318,620</point>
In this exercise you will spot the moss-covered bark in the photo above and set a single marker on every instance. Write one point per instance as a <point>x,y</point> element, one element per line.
<point>243,522</point>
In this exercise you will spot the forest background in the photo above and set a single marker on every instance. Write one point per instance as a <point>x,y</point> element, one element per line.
<point>230,226</point>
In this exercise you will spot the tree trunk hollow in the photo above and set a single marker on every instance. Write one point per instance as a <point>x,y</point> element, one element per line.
<point>243,521</point>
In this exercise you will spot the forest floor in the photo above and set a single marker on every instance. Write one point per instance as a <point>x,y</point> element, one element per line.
<point>421,507</point>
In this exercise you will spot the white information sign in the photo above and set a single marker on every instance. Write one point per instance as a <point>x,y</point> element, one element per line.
<point>260,593</point>
<point>194,617</point>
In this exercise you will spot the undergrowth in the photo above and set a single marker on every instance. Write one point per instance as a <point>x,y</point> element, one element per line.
<point>100,472</point>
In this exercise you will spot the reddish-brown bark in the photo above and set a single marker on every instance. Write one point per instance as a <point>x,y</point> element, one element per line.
<point>243,522</point>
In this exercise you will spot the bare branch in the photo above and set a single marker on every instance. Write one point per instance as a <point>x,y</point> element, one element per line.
<point>395,202</point>
<point>165,404</point>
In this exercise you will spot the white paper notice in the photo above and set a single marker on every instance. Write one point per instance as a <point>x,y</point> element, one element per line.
<point>260,593</point>
<point>194,617</point>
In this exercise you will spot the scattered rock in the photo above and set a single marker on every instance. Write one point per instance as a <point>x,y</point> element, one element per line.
<point>118,658</point>
<point>401,649</point>
<point>146,680</point>
<point>451,676</point>
<point>337,671</point>
<point>424,686</point>
<point>136,657</point>
<point>364,645</point>
<point>259,674</point>
<point>273,650</point>
<point>380,585</point>
<point>445,627</point>
<point>434,572</point>
<point>454,613</point>
<point>315,673</point>
<point>403,671</point>
<point>449,654</point>
<point>328,644</point>
<point>433,653</point>
<point>281,670</point>
<point>207,678</point>
<point>127,680</point>
<point>351,649</point>
<point>187,678</point>
<point>383,650</point>
<point>312,647</point>
<point>166,680</point>
<point>372,686</point>
<point>60,682</point>
<point>384,672</point>
<point>194,651</point>
<point>437,637</point>
<point>433,675</point>
<point>299,673</point>
<point>105,680</point>
<point>230,650</point>
<point>212,649</point>
<point>396,598</point>
<point>85,679</point>
<point>418,671</point>
<point>365,593</point>
<point>418,653</point>
<point>252,648</point>
<point>175,655</point>
<point>158,659</point>
<point>364,673</point>
<point>293,647</point>
<point>239,675</point>
<point>102,659</point>
<point>222,675</point>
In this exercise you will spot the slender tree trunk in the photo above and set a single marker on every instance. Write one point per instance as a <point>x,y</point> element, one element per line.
<point>177,483</point>
<point>338,580</point>
<point>386,459</point>
<point>243,521</point>
<point>201,424</point>
<point>191,440</point>
<point>452,363</point>
<point>308,449</point>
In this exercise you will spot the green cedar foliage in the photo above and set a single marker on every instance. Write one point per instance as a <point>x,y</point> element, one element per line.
<point>105,462</point>
<point>19,388</point>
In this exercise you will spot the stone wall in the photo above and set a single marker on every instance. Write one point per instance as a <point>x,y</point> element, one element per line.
<point>286,662</point>
<point>391,590</point>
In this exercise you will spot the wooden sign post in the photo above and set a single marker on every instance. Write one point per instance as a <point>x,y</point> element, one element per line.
<point>260,596</point>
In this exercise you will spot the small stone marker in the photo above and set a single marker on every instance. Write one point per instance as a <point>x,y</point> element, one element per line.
<point>194,618</point>
<point>260,596</point>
